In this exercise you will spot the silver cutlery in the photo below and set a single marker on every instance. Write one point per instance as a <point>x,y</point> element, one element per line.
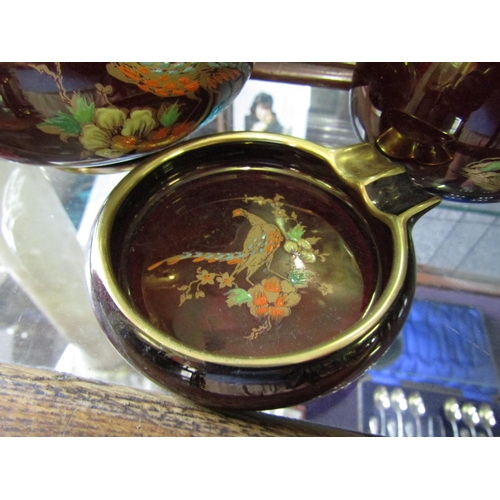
<point>470,418</point>
<point>409,429</point>
<point>399,404</point>
<point>487,418</point>
<point>464,432</point>
<point>382,404</point>
<point>417,409</point>
<point>392,428</point>
<point>453,414</point>
<point>374,425</point>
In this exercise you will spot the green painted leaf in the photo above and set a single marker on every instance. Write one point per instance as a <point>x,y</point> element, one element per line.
<point>296,233</point>
<point>238,296</point>
<point>65,122</point>
<point>84,111</point>
<point>170,116</point>
<point>299,278</point>
<point>492,167</point>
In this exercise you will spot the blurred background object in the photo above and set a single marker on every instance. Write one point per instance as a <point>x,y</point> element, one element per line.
<point>442,120</point>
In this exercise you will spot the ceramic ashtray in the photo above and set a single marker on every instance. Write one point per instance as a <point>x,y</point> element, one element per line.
<point>256,271</point>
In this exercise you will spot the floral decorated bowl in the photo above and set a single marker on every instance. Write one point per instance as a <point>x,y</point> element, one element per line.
<point>253,270</point>
<point>98,114</point>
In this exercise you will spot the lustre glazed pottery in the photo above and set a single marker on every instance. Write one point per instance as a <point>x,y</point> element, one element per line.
<point>441,120</point>
<point>98,114</point>
<point>253,270</point>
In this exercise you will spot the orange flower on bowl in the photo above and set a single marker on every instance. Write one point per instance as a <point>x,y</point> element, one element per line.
<point>273,298</point>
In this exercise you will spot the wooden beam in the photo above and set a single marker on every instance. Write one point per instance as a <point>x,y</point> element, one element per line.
<point>43,403</point>
<point>329,75</point>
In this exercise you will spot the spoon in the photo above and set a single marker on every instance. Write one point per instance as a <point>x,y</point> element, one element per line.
<point>464,433</point>
<point>409,429</point>
<point>399,404</point>
<point>417,409</point>
<point>382,403</point>
<point>374,425</point>
<point>470,418</point>
<point>430,426</point>
<point>453,414</point>
<point>392,429</point>
<point>487,418</point>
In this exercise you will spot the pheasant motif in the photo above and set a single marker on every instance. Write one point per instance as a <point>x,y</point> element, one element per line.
<point>259,247</point>
<point>271,299</point>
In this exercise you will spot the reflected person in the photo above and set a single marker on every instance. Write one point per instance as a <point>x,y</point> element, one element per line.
<point>262,118</point>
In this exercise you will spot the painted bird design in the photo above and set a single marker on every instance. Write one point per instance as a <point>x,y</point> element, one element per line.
<point>259,247</point>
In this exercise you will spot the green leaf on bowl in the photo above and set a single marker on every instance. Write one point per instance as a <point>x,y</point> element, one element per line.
<point>492,167</point>
<point>83,112</point>
<point>64,122</point>
<point>237,297</point>
<point>170,115</point>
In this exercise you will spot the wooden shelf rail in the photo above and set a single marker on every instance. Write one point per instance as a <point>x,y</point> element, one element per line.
<point>37,402</point>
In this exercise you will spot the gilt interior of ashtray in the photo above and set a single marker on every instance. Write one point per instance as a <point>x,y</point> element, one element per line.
<point>251,260</point>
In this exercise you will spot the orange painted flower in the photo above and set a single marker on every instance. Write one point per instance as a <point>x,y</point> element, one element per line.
<point>273,298</point>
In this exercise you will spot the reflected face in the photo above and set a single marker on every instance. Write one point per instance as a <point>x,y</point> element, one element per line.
<point>262,113</point>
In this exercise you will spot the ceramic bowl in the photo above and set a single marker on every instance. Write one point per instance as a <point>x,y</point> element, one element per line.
<point>255,271</point>
<point>100,114</point>
<point>441,120</point>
